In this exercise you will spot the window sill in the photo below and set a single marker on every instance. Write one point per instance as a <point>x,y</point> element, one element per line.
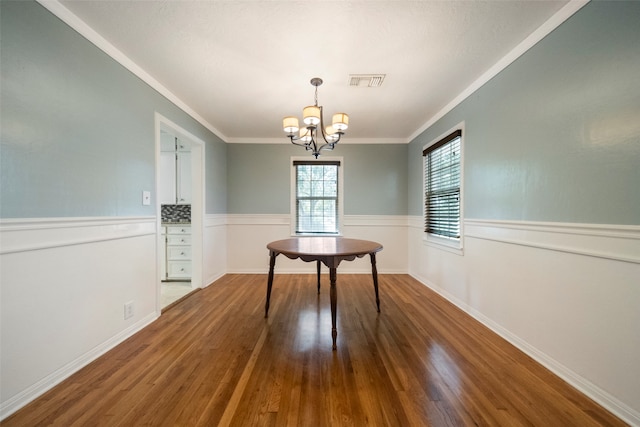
<point>316,234</point>
<point>450,245</point>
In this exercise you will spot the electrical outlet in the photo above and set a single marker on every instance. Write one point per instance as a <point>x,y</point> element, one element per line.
<point>128,310</point>
<point>146,198</point>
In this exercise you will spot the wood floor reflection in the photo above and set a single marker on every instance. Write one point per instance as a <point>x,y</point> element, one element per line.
<point>213,359</point>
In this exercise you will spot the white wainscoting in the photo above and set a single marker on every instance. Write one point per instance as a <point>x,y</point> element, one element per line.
<point>215,248</point>
<point>64,285</point>
<point>566,294</point>
<point>248,236</point>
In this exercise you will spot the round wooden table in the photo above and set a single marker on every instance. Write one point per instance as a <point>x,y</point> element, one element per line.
<point>329,251</point>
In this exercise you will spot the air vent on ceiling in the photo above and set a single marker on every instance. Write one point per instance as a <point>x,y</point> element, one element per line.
<point>366,80</point>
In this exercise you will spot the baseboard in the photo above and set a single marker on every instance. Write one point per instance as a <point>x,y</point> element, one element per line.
<point>311,270</point>
<point>213,278</point>
<point>21,399</point>
<point>586,387</point>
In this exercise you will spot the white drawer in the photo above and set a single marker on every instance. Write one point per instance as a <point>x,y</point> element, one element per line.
<point>178,253</point>
<point>173,239</point>
<point>179,269</point>
<point>178,229</point>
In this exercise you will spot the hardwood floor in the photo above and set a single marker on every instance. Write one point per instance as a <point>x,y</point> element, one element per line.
<point>213,359</point>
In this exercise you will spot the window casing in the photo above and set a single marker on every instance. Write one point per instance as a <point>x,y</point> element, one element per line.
<point>442,163</point>
<point>316,189</point>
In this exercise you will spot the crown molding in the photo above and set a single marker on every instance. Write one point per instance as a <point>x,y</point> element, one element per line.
<point>349,141</point>
<point>551,24</point>
<point>82,28</point>
<point>55,7</point>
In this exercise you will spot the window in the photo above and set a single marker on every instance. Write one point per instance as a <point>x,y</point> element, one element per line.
<point>316,201</point>
<point>442,177</point>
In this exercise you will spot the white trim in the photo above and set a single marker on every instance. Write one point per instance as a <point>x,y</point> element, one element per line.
<point>248,235</point>
<point>293,192</point>
<point>346,140</point>
<point>615,242</point>
<point>198,154</point>
<point>258,219</point>
<point>35,390</point>
<point>610,402</point>
<point>215,220</point>
<point>415,221</point>
<point>452,245</point>
<point>608,241</point>
<point>285,219</point>
<point>90,34</point>
<point>215,247</point>
<point>47,233</point>
<point>541,32</point>
<point>11,224</point>
<point>375,220</point>
<point>310,268</point>
<point>101,43</point>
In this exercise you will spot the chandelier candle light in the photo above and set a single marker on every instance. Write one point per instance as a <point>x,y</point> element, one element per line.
<point>312,118</point>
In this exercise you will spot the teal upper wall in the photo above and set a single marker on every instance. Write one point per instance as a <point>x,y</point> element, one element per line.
<point>375,178</point>
<point>78,128</point>
<point>553,137</point>
<point>556,135</point>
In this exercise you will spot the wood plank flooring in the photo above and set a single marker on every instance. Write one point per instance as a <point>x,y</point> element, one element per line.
<point>213,359</point>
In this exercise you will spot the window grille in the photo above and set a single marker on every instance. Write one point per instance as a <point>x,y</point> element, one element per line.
<point>316,196</point>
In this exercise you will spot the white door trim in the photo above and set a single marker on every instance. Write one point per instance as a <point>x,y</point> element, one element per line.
<point>197,202</point>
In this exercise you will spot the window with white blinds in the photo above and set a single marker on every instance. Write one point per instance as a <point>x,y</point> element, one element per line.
<point>442,186</point>
<point>316,197</point>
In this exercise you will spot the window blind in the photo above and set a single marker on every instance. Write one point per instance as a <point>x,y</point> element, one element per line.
<point>442,186</point>
<point>316,196</point>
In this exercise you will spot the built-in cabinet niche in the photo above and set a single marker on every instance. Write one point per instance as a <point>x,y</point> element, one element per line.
<point>175,171</point>
<point>175,190</point>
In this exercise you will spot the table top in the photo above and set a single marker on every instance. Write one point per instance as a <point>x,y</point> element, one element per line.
<point>324,246</point>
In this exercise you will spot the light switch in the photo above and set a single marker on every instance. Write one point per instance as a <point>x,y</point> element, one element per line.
<point>146,197</point>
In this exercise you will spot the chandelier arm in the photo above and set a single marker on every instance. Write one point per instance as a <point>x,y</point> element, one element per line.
<point>313,131</point>
<point>322,122</point>
<point>294,139</point>
<point>329,144</point>
<point>324,135</point>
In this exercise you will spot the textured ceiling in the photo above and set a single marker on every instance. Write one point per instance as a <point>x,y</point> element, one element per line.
<point>243,65</point>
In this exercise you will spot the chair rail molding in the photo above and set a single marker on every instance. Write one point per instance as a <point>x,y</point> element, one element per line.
<point>615,242</point>
<point>20,235</point>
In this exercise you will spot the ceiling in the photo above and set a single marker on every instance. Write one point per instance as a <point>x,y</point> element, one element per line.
<point>242,65</point>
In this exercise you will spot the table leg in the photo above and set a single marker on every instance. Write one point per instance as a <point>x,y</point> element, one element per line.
<point>272,264</point>
<point>374,272</point>
<point>334,304</point>
<point>318,276</point>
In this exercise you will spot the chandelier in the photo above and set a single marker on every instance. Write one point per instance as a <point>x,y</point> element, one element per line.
<point>314,129</point>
